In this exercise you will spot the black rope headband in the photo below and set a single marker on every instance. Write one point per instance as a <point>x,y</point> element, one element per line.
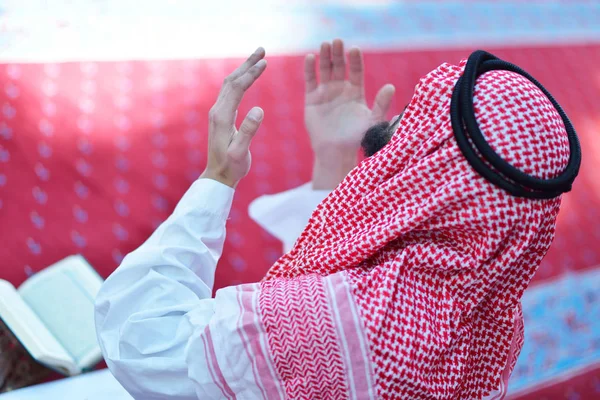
<point>503,174</point>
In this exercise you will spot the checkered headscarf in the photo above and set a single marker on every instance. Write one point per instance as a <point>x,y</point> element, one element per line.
<point>437,257</point>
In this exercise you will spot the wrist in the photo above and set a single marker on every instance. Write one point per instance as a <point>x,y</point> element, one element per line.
<point>215,176</point>
<point>331,167</point>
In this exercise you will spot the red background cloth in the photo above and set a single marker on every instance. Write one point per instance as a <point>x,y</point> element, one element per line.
<point>93,156</point>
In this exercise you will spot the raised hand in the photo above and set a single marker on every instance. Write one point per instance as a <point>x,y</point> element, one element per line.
<point>336,113</point>
<point>229,149</point>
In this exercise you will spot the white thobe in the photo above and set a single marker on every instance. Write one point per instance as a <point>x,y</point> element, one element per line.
<point>284,215</point>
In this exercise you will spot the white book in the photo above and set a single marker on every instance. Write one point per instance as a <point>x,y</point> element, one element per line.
<point>52,315</point>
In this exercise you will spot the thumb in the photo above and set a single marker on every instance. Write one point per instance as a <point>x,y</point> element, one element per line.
<point>383,100</point>
<point>241,142</point>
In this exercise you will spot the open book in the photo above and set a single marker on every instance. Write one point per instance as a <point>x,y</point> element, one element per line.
<point>52,315</point>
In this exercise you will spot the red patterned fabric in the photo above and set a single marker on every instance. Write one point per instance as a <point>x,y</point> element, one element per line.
<point>302,338</point>
<point>437,256</point>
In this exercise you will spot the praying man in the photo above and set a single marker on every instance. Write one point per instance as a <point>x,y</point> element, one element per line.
<point>405,280</point>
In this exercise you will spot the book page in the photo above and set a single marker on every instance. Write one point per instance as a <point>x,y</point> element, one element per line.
<point>62,296</point>
<point>32,333</point>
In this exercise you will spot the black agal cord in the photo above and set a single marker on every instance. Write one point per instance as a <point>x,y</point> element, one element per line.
<point>504,174</point>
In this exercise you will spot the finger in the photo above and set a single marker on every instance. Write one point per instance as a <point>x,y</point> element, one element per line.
<point>246,80</point>
<point>310,74</point>
<point>338,60</point>
<point>233,91</point>
<point>357,69</point>
<point>325,62</point>
<point>258,55</point>
<point>383,100</point>
<point>241,142</point>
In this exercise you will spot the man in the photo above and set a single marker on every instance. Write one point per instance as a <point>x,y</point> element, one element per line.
<point>405,283</point>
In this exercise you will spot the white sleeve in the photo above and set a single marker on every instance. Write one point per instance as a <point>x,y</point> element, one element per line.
<point>285,215</point>
<point>149,308</point>
<point>164,337</point>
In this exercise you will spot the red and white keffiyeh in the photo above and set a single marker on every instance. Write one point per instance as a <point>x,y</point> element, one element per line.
<point>436,257</point>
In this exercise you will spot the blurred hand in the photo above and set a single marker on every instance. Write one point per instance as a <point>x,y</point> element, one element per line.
<point>336,113</point>
<point>229,149</point>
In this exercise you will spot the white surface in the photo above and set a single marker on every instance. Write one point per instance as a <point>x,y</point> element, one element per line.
<point>98,385</point>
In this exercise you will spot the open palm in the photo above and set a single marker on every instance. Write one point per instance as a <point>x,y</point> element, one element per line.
<point>336,113</point>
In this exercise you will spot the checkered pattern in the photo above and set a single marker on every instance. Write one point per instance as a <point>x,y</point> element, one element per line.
<point>302,338</point>
<point>438,257</point>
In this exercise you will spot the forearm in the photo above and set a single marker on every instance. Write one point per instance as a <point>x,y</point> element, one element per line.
<point>330,167</point>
